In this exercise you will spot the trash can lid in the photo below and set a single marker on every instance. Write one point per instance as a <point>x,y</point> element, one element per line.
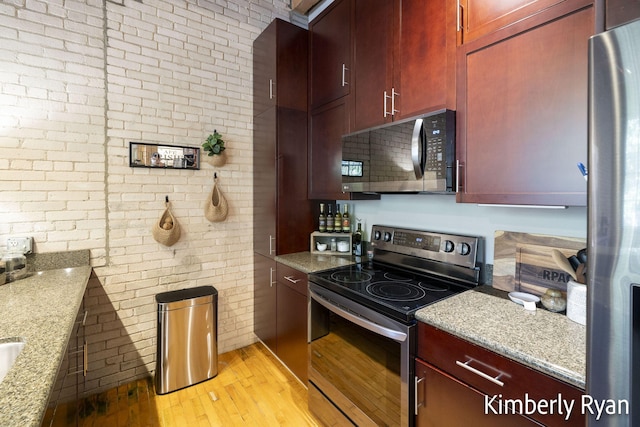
<point>184,294</point>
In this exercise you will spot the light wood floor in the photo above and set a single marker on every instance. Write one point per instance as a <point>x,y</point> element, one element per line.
<point>251,388</point>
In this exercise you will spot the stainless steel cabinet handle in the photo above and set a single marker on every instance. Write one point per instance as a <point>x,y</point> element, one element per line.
<point>384,101</point>
<point>271,245</point>
<point>416,382</point>
<point>393,101</point>
<point>292,279</point>
<point>270,88</point>
<point>344,75</point>
<point>466,366</point>
<point>271,281</point>
<point>457,176</point>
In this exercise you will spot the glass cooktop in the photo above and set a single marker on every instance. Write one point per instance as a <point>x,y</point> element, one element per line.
<point>397,293</point>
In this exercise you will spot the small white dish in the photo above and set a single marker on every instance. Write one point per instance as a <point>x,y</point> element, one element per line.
<point>526,300</point>
<point>321,247</point>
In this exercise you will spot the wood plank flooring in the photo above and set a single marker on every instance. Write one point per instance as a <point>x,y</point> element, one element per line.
<point>251,388</point>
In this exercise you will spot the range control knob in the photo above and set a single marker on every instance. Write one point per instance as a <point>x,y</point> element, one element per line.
<point>387,236</point>
<point>464,248</point>
<point>377,235</point>
<point>448,246</point>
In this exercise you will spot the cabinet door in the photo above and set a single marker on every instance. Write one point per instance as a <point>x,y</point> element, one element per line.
<point>280,64</point>
<point>522,113</point>
<point>264,182</point>
<point>424,62</point>
<point>373,74</point>
<point>445,401</point>
<point>291,316</point>
<point>619,12</point>
<point>294,222</point>
<point>264,300</point>
<point>481,17</point>
<point>330,40</point>
<point>264,70</point>
<point>327,125</point>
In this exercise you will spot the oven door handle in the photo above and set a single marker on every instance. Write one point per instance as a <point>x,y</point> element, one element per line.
<point>359,320</point>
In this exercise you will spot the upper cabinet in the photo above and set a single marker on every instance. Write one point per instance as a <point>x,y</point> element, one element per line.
<point>330,39</point>
<point>619,12</point>
<point>478,18</point>
<point>404,59</point>
<point>522,109</point>
<point>279,76</point>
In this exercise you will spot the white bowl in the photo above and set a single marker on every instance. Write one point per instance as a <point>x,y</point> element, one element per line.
<point>321,247</point>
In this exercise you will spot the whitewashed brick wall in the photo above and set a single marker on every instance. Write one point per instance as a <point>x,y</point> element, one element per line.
<point>81,79</point>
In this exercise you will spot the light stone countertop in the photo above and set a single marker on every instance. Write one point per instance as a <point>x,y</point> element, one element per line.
<point>545,341</point>
<point>310,263</point>
<point>42,309</point>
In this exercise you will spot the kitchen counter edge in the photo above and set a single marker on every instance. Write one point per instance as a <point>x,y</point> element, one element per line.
<point>42,310</point>
<point>545,341</point>
<point>307,262</point>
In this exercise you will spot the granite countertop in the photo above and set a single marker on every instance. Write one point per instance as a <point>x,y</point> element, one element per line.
<point>310,263</point>
<point>545,341</point>
<point>41,309</point>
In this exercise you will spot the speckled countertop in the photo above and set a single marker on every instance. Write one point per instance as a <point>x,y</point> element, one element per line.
<point>41,309</point>
<point>310,263</point>
<point>548,342</point>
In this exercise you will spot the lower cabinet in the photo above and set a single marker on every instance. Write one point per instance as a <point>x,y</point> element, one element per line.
<point>444,400</point>
<point>264,300</point>
<point>280,312</point>
<point>460,383</point>
<point>291,320</point>
<point>72,373</point>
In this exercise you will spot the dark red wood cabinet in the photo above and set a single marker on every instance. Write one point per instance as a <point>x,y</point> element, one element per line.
<point>265,300</point>
<point>454,368</point>
<point>477,18</point>
<point>327,124</point>
<point>404,60</point>
<point>291,320</point>
<point>330,54</point>
<point>522,110</point>
<point>619,12</point>
<point>281,210</point>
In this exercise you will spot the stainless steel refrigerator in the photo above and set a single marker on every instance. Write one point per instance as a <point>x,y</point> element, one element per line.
<point>613,272</point>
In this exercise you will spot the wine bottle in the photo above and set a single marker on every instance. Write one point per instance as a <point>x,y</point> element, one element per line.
<point>346,221</point>
<point>357,241</point>
<point>330,220</point>
<point>337,220</point>
<point>322,220</point>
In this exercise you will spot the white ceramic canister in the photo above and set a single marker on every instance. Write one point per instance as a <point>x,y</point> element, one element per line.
<point>577,302</point>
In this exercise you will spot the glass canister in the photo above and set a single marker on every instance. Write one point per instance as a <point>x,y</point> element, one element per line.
<point>553,300</point>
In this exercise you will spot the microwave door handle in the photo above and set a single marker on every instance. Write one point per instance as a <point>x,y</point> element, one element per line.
<point>417,147</point>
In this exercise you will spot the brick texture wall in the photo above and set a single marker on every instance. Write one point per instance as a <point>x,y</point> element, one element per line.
<point>81,79</point>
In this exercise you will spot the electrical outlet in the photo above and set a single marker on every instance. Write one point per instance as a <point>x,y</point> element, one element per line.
<point>20,244</point>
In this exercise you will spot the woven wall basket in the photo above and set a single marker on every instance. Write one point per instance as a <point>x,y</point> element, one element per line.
<point>216,207</point>
<point>167,234</point>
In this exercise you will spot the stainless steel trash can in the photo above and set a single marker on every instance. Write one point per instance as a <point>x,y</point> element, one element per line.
<point>187,338</point>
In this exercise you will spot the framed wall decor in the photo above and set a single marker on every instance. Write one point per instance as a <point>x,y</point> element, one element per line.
<point>144,155</point>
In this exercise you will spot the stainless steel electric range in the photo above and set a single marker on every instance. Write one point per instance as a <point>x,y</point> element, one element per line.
<point>362,322</point>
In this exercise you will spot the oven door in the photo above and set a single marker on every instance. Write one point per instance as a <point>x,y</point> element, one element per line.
<point>359,360</point>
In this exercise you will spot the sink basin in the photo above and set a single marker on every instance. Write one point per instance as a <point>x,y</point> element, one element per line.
<point>10,348</point>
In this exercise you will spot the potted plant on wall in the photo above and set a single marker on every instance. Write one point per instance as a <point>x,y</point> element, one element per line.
<point>214,146</point>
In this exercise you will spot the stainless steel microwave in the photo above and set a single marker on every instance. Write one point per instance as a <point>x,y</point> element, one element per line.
<point>415,155</point>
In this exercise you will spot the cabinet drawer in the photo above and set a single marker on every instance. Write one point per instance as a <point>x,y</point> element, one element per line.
<point>496,375</point>
<point>292,278</point>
